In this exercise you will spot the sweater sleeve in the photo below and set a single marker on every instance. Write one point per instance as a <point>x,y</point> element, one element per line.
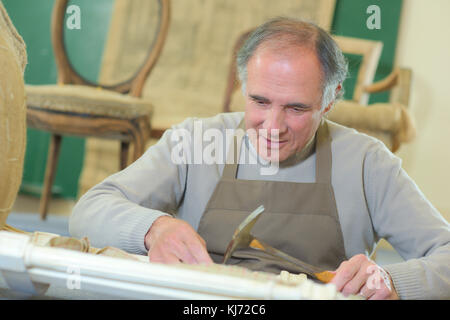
<point>408,221</point>
<point>120,210</point>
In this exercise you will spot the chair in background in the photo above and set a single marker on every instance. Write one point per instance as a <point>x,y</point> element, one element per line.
<point>370,51</point>
<point>389,122</point>
<point>82,107</point>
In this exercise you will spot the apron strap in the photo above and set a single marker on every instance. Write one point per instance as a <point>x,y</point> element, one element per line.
<point>323,154</point>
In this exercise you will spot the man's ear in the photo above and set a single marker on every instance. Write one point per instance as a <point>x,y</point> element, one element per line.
<point>338,88</point>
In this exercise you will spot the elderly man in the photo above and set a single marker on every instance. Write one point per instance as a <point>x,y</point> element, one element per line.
<point>333,194</point>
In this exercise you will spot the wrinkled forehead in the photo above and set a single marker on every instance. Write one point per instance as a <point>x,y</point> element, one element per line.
<point>287,44</point>
<point>284,50</point>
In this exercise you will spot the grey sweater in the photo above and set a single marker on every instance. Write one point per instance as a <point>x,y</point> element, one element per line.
<point>375,199</point>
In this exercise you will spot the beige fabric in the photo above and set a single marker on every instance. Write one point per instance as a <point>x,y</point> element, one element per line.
<point>46,239</point>
<point>386,121</point>
<point>190,77</point>
<point>12,114</point>
<point>378,116</point>
<point>98,163</point>
<point>82,245</point>
<point>129,39</point>
<point>86,100</point>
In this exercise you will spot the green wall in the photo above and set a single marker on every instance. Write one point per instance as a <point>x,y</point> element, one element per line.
<point>350,20</point>
<point>32,20</point>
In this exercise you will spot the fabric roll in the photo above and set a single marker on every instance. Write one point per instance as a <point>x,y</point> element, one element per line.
<point>13,60</point>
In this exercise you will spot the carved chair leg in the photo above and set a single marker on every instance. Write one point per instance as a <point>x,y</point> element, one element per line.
<point>139,146</point>
<point>140,138</point>
<point>50,170</point>
<point>124,148</point>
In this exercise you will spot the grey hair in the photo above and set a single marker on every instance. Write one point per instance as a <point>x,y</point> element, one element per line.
<point>290,32</point>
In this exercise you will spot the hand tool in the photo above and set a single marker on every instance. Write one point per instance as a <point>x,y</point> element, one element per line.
<point>242,238</point>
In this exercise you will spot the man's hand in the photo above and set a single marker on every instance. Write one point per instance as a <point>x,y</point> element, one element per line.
<point>171,240</point>
<point>360,275</point>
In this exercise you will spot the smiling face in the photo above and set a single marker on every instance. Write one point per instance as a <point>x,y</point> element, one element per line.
<point>283,95</point>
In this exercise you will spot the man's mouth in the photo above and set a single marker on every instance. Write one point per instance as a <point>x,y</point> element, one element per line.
<point>273,143</point>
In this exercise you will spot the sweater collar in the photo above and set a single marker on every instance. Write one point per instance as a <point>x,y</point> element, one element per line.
<point>293,160</point>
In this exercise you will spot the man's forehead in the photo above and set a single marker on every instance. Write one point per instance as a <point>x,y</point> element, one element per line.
<point>265,56</point>
<point>273,54</point>
<point>285,78</point>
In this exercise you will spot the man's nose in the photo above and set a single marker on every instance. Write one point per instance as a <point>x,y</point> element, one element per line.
<point>275,122</point>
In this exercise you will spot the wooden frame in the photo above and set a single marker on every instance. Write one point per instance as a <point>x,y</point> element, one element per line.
<point>233,82</point>
<point>399,83</point>
<point>370,51</point>
<point>31,268</point>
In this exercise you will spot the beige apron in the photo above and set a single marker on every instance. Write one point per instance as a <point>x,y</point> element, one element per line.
<point>300,219</point>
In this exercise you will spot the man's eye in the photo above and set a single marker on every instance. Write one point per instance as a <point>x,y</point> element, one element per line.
<point>300,108</point>
<point>260,102</point>
<point>297,109</point>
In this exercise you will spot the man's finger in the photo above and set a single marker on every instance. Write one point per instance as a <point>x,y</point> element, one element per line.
<point>366,292</point>
<point>178,247</point>
<point>202,241</point>
<point>170,258</point>
<point>187,257</point>
<point>199,252</point>
<point>346,271</point>
<point>356,283</point>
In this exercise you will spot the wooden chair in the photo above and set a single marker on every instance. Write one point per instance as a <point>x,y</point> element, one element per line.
<point>398,81</point>
<point>77,106</point>
<point>370,51</point>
